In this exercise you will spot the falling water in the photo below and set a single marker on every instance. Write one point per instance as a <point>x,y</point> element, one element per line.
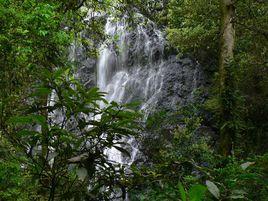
<point>132,67</point>
<point>129,69</point>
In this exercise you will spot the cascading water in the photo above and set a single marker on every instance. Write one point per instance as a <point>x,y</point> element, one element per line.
<point>129,70</point>
<point>134,66</point>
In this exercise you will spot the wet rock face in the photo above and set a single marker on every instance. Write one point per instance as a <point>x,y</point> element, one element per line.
<point>181,77</point>
<point>87,72</point>
<point>140,54</point>
<point>136,68</point>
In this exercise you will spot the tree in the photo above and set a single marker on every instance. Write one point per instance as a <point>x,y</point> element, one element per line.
<point>234,61</point>
<point>225,60</point>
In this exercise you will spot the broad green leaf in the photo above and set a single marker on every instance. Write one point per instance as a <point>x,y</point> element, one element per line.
<point>20,120</point>
<point>197,192</point>
<point>182,192</point>
<point>213,189</point>
<point>42,91</point>
<point>38,119</point>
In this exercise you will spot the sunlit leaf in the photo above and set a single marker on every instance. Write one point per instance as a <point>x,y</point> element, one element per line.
<point>213,189</point>
<point>244,166</point>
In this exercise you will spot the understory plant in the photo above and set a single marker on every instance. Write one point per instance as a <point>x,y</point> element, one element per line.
<point>63,141</point>
<point>187,166</point>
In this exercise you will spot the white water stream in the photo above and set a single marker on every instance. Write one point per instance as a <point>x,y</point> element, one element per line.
<point>129,69</point>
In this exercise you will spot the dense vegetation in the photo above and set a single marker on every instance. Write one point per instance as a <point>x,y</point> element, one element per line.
<point>212,149</point>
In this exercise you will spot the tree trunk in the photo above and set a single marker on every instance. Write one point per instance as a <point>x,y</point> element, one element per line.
<point>226,56</point>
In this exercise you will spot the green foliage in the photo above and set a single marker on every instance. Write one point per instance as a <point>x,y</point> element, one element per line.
<point>194,28</point>
<point>182,192</point>
<point>186,166</point>
<point>12,181</point>
<point>68,153</point>
<point>155,11</point>
<point>56,129</point>
<point>238,182</point>
<point>182,156</point>
<point>15,184</point>
<point>196,193</point>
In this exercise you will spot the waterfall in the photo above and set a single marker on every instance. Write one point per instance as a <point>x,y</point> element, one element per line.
<point>130,69</point>
<point>134,66</point>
